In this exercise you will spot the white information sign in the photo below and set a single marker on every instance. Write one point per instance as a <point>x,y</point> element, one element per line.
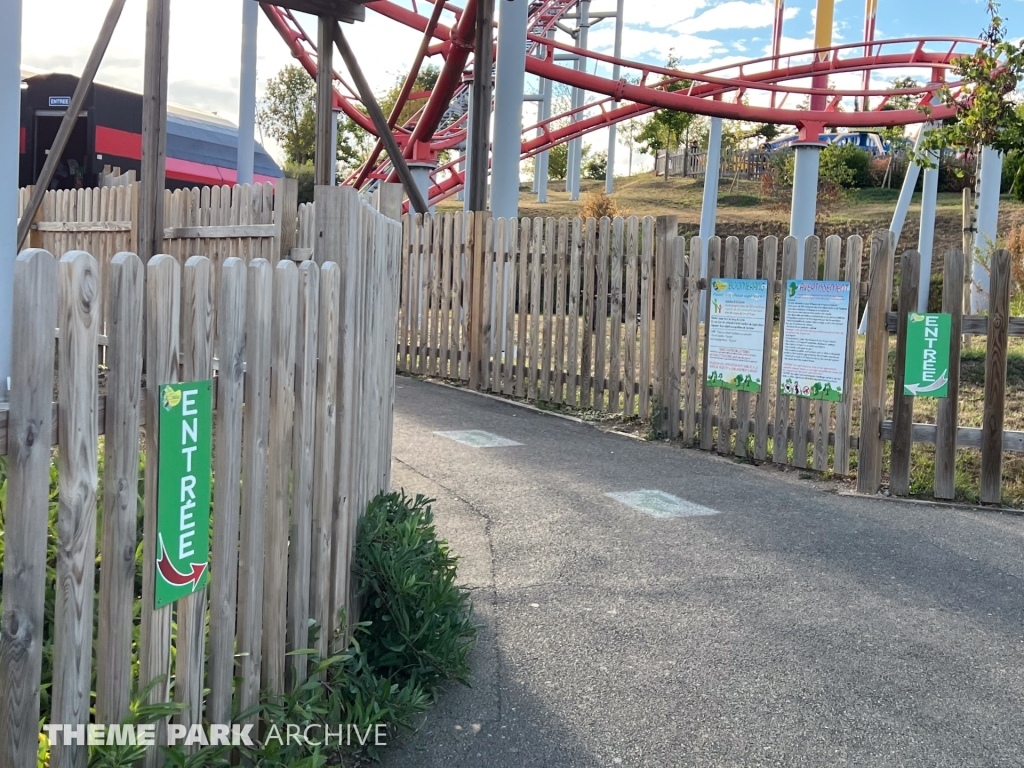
<point>814,339</point>
<point>736,336</point>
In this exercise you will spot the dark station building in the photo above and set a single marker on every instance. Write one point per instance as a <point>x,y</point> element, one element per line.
<point>202,149</point>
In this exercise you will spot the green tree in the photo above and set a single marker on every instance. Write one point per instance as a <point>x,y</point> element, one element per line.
<point>986,105</point>
<point>894,134</point>
<point>288,113</point>
<point>667,128</point>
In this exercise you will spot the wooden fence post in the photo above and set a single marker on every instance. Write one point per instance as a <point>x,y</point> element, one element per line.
<point>769,264</point>
<point>801,405</point>
<point>692,339</point>
<point>601,312</point>
<point>34,317</point>
<point>995,378</point>
<point>707,396</point>
<point>748,271</point>
<point>587,342</point>
<point>665,235</point>
<point>876,361</point>
<point>903,405</point>
<point>674,343</point>
<point>573,317</point>
<point>947,418</point>
<point>303,457</point>
<point>646,291</point>
<point>125,299</point>
<point>730,264</point>
<point>231,316</point>
<point>278,511</point>
<point>844,409</point>
<point>780,436</point>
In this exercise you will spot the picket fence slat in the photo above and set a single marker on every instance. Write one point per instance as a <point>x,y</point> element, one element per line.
<point>509,351</point>
<point>125,310</point>
<point>586,354</point>
<point>573,317</point>
<point>33,318</point>
<point>730,269</point>
<point>498,315</point>
<point>823,408</point>
<point>561,254</point>
<point>163,287</point>
<point>693,293</point>
<point>769,268</point>
<point>282,419</point>
<point>197,348</point>
<point>547,311</point>
<point>947,417</point>
<point>748,271</point>
<point>601,313</point>
<point>802,406</point>
<point>714,247</point>
<point>632,248</point>
<point>77,465</point>
<point>615,318</point>
<point>646,309</point>
<point>903,405</point>
<point>844,409</point>
<point>780,437</point>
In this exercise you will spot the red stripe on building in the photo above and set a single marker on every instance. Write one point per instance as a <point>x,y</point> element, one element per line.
<point>111,141</point>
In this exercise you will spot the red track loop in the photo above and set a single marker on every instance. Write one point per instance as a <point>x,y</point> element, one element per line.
<point>719,91</point>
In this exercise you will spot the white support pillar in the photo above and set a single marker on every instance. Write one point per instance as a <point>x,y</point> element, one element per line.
<point>989,179</point>
<point>247,93</point>
<point>10,124</point>
<point>926,237</point>
<point>805,197</point>
<point>709,206</point>
<point>609,179</point>
<point>575,161</point>
<point>508,108</point>
<point>542,163</point>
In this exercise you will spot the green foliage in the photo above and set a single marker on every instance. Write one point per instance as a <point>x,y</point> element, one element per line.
<point>288,115</point>
<point>846,165</point>
<point>666,129</point>
<point>417,633</point>
<point>986,108</point>
<point>425,82</point>
<point>596,167</point>
<point>422,620</point>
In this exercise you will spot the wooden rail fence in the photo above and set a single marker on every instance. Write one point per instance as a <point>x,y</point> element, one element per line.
<point>303,398</point>
<point>570,312</point>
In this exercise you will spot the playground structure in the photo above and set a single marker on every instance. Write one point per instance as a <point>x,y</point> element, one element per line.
<point>766,90</point>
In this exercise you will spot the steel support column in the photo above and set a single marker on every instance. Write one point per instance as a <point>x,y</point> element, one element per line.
<point>709,205</point>
<point>247,93</point>
<point>926,237</point>
<point>508,108</point>
<point>805,197</point>
<point>10,129</point>
<point>574,166</point>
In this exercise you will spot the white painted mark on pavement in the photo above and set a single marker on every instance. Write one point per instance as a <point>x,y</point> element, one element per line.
<point>476,438</point>
<point>661,504</point>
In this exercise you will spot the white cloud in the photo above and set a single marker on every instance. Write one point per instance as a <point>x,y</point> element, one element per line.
<point>736,14</point>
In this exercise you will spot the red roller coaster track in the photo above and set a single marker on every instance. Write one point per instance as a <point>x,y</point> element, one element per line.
<point>723,91</point>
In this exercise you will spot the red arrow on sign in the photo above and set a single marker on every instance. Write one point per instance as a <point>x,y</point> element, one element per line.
<point>171,574</point>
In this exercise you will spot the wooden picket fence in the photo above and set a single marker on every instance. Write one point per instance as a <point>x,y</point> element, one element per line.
<point>303,397</point>
<point>569,312</point>
<point>243,221</point>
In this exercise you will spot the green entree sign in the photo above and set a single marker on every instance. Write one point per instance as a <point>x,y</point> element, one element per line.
<point>183,509</point>
<point>927,360</point>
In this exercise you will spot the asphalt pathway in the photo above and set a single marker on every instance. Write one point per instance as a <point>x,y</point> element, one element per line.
<point>779,626</point>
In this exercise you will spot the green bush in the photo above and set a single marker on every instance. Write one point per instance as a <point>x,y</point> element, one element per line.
<point>306,176</point>
<point>847,165</point>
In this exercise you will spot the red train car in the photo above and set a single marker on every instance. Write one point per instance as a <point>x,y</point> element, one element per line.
<point>202,149</point>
